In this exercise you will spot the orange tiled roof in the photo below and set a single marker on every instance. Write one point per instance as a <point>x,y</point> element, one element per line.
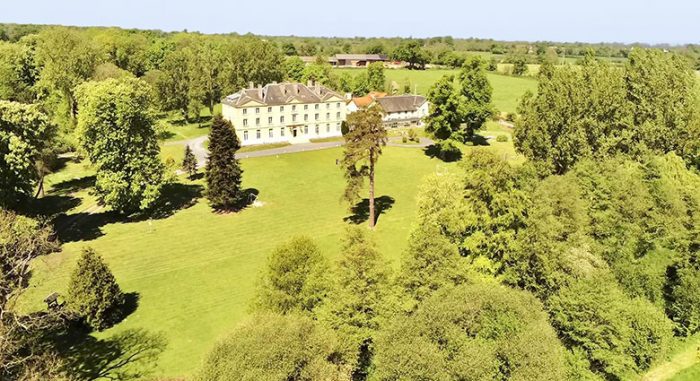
<point>368,99</point>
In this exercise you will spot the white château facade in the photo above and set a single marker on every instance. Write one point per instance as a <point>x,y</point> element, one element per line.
<point>284,112</point>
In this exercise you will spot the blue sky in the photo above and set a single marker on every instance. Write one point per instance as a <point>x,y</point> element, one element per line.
<point>669,21</point>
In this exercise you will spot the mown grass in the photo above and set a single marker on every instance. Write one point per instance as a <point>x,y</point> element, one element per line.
<point>507,90</point>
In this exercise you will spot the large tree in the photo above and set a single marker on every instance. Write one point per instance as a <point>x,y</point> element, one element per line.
<point>362,295</point>
<point>475,90</point>
<point>206,66</point>
<point>412,52</point>
<point>363,145</point>
<point>296,278</point>
<point>117,133</point>
<point>270,347</point>
<point>223,171</point>
<point>18,72</point>
<point>24,132</point>
<point>445,117</point>
<point>376,80</point>
<point>482,331</point>
<point>67,58</point>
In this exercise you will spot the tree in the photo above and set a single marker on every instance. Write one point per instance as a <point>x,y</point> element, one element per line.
<point>445,115</point>
<point>189,163</point>
<point>413,53</point>
<point>519,66</point>
<point>318,72</point>
<point>117,133</point>
<point>294,68</point>
<point>25,131</point>
<point>360,297</point>
<point>363,145</point>
<point>269,347</point>
<point>619,336</point>
<point>223,171</point>
<point>206,63</point>
<point>430,263</point>
<point>93,292</point>
<point>174,86</point>
<point>67,58</point>
<point>18,72</point>
<point>375,76</point>
<point>296,278</point>
<point>289,49</point>
<point>482,331</point>
<point>476,91</point>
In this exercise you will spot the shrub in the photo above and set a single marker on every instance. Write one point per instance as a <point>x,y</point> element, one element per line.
<point>685,297</point>
<point>274,347</point>
<point>93,292</point>
<point>404,139</point>
<point>413,135</point>
<point>502,138</point>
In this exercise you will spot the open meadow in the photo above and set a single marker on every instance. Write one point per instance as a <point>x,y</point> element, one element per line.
<point>194,271</point>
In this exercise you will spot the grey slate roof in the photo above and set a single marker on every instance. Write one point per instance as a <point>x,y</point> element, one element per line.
<point>277,94</point>
<point>401,103</point>
<point>361,57</point>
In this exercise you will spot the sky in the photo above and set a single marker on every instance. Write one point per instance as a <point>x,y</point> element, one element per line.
<point>668,21</point>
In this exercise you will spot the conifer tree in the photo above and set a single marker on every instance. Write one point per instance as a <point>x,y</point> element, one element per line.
<point>361,296</point>
<point>93,292</point>
<point>223,171</point>
<point>189,163</point>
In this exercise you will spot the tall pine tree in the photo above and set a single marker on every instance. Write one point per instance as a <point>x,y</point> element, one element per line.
<point>223,170</point>
<point>189,163</point>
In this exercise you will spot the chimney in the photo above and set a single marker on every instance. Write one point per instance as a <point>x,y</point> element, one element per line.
<point>309,83</point>
<point>251,85</point>
<point>260,92</point>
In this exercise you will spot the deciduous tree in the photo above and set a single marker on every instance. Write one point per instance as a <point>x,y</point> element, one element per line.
<point>446,112</point>
<point>475,90</point>
<point>117,133</point>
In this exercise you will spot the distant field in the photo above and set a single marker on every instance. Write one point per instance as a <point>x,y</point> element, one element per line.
<point>506,90</point>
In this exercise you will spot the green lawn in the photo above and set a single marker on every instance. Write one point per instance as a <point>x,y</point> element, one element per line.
<point>195,271</point>
<point>506,90</point>
<point>175,128</point>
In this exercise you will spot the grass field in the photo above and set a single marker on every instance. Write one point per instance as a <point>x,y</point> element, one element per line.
<point>194,271</point>
<point>506,90</point>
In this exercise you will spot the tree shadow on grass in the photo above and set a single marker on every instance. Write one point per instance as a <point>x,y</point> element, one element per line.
<point>248,198</point>
<point>50,206</point>
<point>448,156</point>
<point>74,185</point>
<point>360,211</point>
<point>479,140</point>
<point>128,355</point>
<point>87,226</point>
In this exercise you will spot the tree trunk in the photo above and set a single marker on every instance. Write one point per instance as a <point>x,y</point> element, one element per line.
<point>371,189</point>
<point>40,189</point>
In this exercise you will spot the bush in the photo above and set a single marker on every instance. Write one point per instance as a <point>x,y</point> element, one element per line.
<point>473,332</point>
<point>404,139</point>
<point>502,138</point>
<point>93,293</point>
<point>685,297</point>
<point>413,136</point>
<point>272,347</point>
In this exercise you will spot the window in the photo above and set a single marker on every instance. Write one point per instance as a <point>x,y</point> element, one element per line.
<point>306,107</point>
<point>316,106</point>
<point>282,131</point>
<point>306,117</point>
<point>245,122</point>
<point>282,119</point>
<point>270,132</point>
<point>269,120</point>
<point>328,128</point>
<point>269,109</point>
<point>337,127</point>
<point>316,117</point>
<point>294,117</point>
<point>257,134</point>
<point>245,111</point>
<point>245,135</point>
<point>257,110</point>
<point>257,121</point>
<point>294,107</point>
<point>316,130</point>
<point>281,108</point>
<point>328,105</point>
<point>337,115</point>
<point>306,130</point>
<point>328,115</point>
<point>337,105</point>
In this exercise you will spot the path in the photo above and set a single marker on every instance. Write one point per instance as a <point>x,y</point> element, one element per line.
<point>200,152</point>
<point>685,359</point>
